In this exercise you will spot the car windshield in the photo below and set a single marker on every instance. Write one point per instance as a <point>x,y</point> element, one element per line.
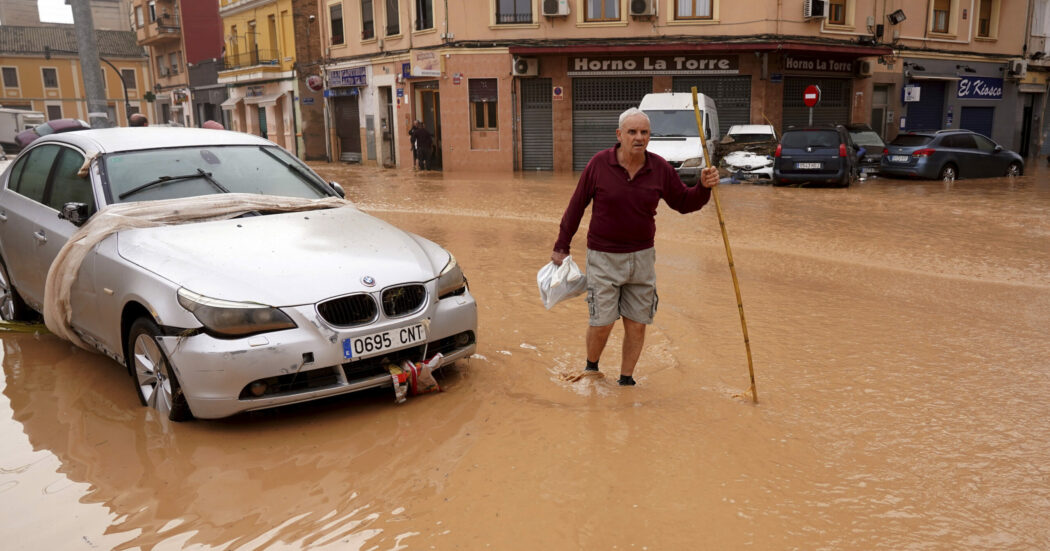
<point>810,138</point>
<point>866,138</point>
<point>910,140</point>
<point>751,138</point>
<point>191,171</point>
<point>672,122</point>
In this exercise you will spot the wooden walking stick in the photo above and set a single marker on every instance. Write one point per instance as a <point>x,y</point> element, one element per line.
<point>729,252</point>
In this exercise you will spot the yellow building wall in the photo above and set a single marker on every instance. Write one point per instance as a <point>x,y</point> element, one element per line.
<point>70,92</point>
<point>285,43</point>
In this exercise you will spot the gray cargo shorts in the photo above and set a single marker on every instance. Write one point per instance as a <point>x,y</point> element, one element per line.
<point>621,284</point>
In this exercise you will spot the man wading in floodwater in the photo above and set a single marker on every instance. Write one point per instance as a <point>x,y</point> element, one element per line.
<point>626,183</point>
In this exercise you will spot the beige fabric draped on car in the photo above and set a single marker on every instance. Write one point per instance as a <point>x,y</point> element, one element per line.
<point>58,313</point>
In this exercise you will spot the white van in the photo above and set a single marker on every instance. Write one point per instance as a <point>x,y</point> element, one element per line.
<point>673,130</point>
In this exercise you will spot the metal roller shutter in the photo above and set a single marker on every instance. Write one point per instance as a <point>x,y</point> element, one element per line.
<point>537,128</point>
<point>928,112</point>
<point>977,119</point>
<point>732,96</point>
<point>596,107</point>
<point>834,106</point>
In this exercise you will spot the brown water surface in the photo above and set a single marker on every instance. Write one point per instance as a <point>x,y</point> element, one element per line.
<point>899,334</point>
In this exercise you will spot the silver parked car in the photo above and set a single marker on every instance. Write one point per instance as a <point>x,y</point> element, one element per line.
<point>212,318</point>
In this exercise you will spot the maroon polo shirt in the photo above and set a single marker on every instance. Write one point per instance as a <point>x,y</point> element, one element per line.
<point>623,219</point>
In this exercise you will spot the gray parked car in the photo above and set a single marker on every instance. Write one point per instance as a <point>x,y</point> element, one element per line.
<point>217,317</point>
<point>948,154</point>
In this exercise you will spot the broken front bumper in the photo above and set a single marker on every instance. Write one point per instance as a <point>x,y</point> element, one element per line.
<point>220,377</point>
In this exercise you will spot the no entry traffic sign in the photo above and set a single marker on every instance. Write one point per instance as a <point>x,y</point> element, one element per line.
<point>811,96</point>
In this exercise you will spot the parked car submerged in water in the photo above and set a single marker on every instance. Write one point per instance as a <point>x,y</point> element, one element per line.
<point>816,156</point>
<point>948,154</point>
<point>871,143</point>
<point>212,318</point>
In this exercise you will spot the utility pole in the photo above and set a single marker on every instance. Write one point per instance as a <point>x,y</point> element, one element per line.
<point>87,45</point>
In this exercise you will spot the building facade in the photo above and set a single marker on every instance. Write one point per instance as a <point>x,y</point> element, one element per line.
<point>538,84</point>
<point>259,69</point>
<point>41,71</point>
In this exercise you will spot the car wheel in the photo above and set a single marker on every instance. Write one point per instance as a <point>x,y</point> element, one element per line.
<point>949,172</point>
<point>12,307</point>
<point>154,379</point>
<point>1014,169</point>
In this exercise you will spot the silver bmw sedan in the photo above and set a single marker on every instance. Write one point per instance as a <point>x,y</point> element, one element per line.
<point>224,273</point>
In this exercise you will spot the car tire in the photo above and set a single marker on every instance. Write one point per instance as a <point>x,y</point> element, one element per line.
<point>12,307</point>
<point>1015,169</point>
<point>949,172</point>
<point>151,373</point>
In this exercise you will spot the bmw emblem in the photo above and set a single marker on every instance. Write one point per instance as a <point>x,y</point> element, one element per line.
<point>368,281</point>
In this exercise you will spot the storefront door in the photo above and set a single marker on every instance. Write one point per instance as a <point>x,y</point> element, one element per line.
<point>732,95</point>
<point>430,109</point>
<point>928,112</point>
<point>348,128</point>
<point>537,124</point>
<point>978,119</point>
<point>834,106</point>
<point>596,106</point>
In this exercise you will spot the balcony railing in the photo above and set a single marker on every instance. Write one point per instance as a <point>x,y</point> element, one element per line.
<point>513,17</point>
<point>252,58</point>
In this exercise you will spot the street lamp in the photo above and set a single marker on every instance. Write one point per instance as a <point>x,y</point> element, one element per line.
<point>127,104</point>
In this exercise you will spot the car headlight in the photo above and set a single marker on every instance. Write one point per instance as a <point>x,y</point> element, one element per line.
<point>450,280</point>
<point>224,318</point>
<point>695,162</point>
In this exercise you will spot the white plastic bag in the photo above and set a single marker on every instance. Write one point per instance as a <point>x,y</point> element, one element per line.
<point>558,283</point>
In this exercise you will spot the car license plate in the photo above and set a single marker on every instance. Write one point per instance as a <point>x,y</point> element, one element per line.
<point>369,345</point>
<point>899,158</point>
<point>804,166</point>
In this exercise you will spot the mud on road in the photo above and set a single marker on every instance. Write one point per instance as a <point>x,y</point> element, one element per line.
<point>899,340</point>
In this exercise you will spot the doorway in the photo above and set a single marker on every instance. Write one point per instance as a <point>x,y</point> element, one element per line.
<point>879,107</point>
<point>388,155</point>
<point>429,108</point>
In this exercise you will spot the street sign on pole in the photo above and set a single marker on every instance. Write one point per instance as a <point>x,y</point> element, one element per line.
<point>811,97</point>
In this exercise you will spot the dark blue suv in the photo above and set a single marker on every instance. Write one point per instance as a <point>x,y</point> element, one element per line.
<point>948,154</point>
<point>817,156</point>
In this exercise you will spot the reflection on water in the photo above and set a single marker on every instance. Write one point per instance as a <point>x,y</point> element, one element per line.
<point>898,331</point>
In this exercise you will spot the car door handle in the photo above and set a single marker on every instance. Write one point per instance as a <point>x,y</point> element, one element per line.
<point>40,236</point>
<point>3,216</point>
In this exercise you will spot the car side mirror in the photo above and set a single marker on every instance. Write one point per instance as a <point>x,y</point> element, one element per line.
<point>338,188</point>
<point>998,148</point>
<point>76,213</point>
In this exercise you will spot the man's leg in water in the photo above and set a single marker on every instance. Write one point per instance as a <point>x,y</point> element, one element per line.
<point>597,337</point>
<point>633,340</point>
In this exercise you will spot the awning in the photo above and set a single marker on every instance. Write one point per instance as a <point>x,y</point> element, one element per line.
<point>230,104</point>
<point>932,77</point>
<point>791,47</point>
<point>267,98</point>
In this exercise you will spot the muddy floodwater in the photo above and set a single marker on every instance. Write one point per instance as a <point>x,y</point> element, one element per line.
<point>900,340</point>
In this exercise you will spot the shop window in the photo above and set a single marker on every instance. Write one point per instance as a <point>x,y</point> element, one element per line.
<point>483,103</point>
<point>393,17</point>
<point>837,12</point>
<point>50,75</point>
<point>10,77</point>
<point>368,28</point>
<point>424,15</point>
<point>942,10</point>
<point>509,12</point>
<point>602,10</point>
<point>129,78</point>
<point>692,9</point>
<point>335,15</point>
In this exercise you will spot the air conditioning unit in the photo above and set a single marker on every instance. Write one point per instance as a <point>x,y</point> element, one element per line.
<point>864,68</point>
<point>640,8</point>
<point>812,9</point>
<point>525,67</point>
<point>555,8</point>
<point>1018,68</point>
